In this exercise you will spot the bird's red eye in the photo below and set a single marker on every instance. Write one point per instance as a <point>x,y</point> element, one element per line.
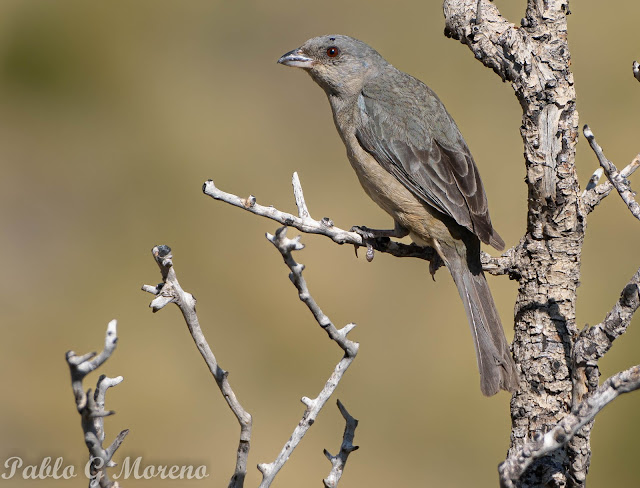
<point>332,52</point>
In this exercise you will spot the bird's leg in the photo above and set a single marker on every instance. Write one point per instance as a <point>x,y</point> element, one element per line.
<point>368,235</point>
<point>437,261</point>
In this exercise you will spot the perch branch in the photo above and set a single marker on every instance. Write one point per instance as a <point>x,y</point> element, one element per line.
<point>91,408</point>
<point>338,461</point>
<point>313,406</point>
<point>170,291</point>
<point>304,223</point>
<point>325,227</point>
<point>516,464</point>
<point>618,181</point>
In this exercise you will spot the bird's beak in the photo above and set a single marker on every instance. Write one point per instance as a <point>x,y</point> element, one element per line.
<point>296,59</point>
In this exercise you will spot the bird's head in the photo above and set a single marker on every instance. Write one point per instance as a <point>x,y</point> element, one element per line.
<point>339,64</point>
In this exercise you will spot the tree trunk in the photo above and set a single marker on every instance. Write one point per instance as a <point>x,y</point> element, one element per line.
<point>535,59</point>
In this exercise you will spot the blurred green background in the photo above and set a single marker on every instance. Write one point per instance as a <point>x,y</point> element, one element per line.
<point>112,114</point>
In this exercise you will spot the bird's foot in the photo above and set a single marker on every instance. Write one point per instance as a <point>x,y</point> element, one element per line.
<point>365,232</point>
<point>370,235</point>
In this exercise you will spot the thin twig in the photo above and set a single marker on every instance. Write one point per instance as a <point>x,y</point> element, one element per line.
<point>591,197</point>
<point>516,464</point>
<point>593,181</point>
<point>91,408</point>
<point>170,291</point>
<point>313,406</point>
<point>303,211</point>
<point>339,461</point>
<point>594,342</point>
<point>618,181</point>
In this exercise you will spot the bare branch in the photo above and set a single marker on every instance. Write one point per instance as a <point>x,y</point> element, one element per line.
<point>338,461</point>
<point>516,464</point>
<point>170,291</point>
<point>91,407</point>
<point>506,264</point>
<point>286,246</point>
<point>616,179</point>
<point>594,342</point>
<point>304,223</point>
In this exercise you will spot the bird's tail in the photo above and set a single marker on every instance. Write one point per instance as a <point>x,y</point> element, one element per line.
<point>497,369</point>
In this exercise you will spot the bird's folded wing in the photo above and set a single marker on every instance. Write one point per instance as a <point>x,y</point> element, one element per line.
<point>416,140</point>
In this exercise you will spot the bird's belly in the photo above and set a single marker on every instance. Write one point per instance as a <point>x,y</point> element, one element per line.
<point>423,222</point>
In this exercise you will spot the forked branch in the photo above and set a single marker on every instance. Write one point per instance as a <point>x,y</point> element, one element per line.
<point>338,461</point>
<point>617,179</point>
<point>91,408</point>
<point>594,342</point>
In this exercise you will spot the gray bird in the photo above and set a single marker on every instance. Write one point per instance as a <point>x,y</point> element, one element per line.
<point>412,161</point>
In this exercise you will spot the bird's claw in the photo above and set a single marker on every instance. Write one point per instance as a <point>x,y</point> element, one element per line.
<point>365,232</point>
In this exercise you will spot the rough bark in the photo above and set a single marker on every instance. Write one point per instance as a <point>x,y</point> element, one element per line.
<point>534,58</point>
